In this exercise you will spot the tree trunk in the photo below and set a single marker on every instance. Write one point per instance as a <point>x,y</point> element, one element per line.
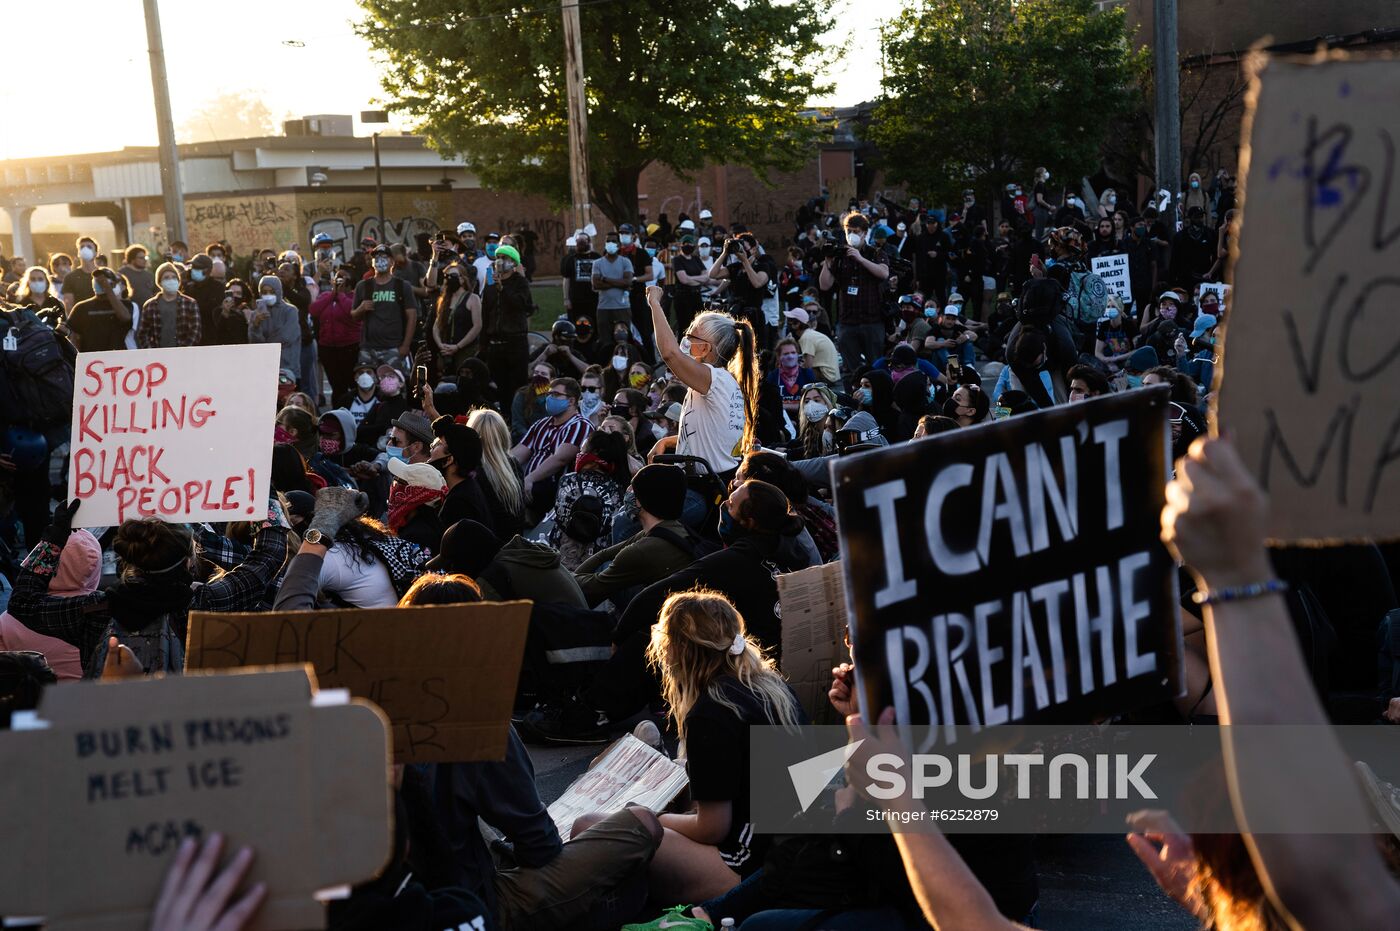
<point>616,195</point>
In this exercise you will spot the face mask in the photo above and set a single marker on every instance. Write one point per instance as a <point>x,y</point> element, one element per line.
<point>540,383</point>
<point>1047,176</point>
<point>491,249</point>
<point>620,362</point>
<point>267,300</point>
<point>621,410</point>
<point>87,253</point>
<point>504,268</point>
<point>687,248</point>
<point>862,396</point>
<point>281,435</point>
<point>685,345</point>
<point>610,248</point>
<point>555,405</point>
<point>329,445</point>
<point>855,239</point>
<point>1195,185</point>
<point>1167,311</point>
<point>815,411</point>
<point>324,255</point>
<point>704,252</point>
<point>364,381</point>
<point>625,239</point>
<point>97,287</point>
<point>1140,230</point>
<point>730,531</point>
<point>788,360</point>
<point>381,264</point>
<point>170,285</point>
<point>651,251</point>
<point>639,380</point>
<point>441,464</point>
<point>583,247</point>
<point>590,402</point>
<point>930,312</point>
<point>1134,381</point>
<point>395,452</point>
<point>390,384</point>
<point>197,274</point>
<point>38,287</point>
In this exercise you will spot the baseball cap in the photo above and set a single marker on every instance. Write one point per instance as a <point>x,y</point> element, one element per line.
<point>491,236</point>
<point>419,474</point>
<point>626,228</point>
<point>703,241</point>
<point>687,225</point>
<point>798,314</point>
<point>465,227</point>
<point>1203,322</point>
<point>1169,296</point>
<point>706,214</point>
<point>952,310</point>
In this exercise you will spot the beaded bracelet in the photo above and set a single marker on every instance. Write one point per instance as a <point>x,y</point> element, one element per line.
<point>1240,592</point>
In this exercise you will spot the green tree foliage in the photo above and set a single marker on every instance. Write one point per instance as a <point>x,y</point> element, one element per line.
<point>980,92</point>
<point>674,85</point>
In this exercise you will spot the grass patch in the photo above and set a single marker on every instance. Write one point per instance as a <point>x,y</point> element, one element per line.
<point>549,298</point>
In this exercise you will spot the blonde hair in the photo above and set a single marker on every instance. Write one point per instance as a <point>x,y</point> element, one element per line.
<point>23,293</point>
<point>690,649</point>
<point>733,343</point>
<point>628,434</point>
<point>496,466</point>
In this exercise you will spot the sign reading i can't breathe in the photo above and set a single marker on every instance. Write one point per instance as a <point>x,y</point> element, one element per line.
<point>184,435</point>
<point>1014,571</point>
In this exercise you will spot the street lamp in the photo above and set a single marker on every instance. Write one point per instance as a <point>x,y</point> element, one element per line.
<point>377,116</point>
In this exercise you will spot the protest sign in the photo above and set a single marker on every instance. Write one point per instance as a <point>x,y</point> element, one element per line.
<point>444,674</point>
<point>107,779</point>
<point>813,603</point>
<point>1113,269</point>
<point>1219,289</point>
<point>628,772</point>
<point>1014,571</point>
<point>180,434</point>
<point>1311,371</point>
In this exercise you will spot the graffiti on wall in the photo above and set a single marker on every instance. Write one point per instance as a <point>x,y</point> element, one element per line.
<point>347,226</point>
<point>246,223</point>
<point>547,232</point>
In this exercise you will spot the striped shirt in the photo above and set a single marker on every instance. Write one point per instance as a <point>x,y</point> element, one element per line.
<point>545,436</point>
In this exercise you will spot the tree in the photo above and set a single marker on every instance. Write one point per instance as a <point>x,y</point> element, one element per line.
<point>484,79</point>
<point>229,115</point>
<point>978,93</point>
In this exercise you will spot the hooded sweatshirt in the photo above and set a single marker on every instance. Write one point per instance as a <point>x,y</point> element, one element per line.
<point>79,571</point>
<point>281,326</point>
<point>331,468</point>
<point>526,569</point>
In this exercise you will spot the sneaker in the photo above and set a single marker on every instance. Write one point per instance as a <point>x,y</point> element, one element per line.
<point>648,733</point>
<point>570,725</point>
<point>675,919</point>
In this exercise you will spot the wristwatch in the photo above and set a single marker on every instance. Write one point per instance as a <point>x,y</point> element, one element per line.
<point>314,537</point>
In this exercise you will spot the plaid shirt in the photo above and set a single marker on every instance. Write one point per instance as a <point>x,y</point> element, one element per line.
<point>187,325</point>
<point>82,619</point>
<point>544,437</point>
<point>864,305</point>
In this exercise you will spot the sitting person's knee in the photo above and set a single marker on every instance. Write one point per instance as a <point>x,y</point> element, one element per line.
<point>648,820</point>
<point>584,822</point>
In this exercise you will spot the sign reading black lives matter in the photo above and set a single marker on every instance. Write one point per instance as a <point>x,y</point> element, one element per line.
<point>1014,571</point>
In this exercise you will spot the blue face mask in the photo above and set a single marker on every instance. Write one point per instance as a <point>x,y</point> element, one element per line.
<point>491,250</point>
<point>554,406</point>
<point>930,312</point>
<point>861,395</point>
<point>396,452</point>
<point>730,531</point>
<point>1134,381</point>
<point>651,251</point>
<point>197,274</point>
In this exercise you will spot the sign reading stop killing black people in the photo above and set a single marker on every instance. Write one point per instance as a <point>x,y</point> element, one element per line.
<point>1014,571</point>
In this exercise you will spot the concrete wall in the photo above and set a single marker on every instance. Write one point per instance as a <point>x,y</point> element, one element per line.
<point>735,195</point>
<point>1206,26</point>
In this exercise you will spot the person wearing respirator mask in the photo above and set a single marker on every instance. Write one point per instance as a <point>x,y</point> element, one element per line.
<point>365,398</point>
<point>858,277</point>
<point>275,321</point>
<point>35,291</point>
<point>170,318</point>
<point>77,285</point>
<point>506,308</point>
<point>337,332</point>
<point>102,323</point>
<point>388,310</point>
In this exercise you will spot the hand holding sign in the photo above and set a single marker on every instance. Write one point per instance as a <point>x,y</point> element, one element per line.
<point>195,898</point>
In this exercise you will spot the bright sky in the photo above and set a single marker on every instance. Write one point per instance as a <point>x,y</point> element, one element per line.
<point>301,57</point>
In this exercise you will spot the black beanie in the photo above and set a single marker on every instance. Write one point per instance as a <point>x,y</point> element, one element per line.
<point>660,490</point>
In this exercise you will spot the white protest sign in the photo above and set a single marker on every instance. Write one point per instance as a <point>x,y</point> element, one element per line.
<point>184,435</point>
<point>1219,289</point>
<point>1113,269</point>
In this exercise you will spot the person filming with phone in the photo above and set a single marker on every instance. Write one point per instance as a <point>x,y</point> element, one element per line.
<point>857,273</point>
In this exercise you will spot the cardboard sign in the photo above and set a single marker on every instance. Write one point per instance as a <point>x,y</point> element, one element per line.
<point>628,772</point>
<point>97,801</point>
<point>1311,375</point>
<point>813,603</point>
<point>1219,289</point>
<point>180,434</point>
<point>1013,571</point>
<point>445,675</point>
<point>1113,269</point>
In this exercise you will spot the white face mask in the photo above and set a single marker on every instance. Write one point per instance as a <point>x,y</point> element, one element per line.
<point>855,239</point>
<point>267,300</point>
<point>620,363</point>
<point>170,285</point>
<point>87,253</point>
<point>365,380</point>
<point>381,264</point>
<point>38,287</point>
<point>625,239</point>
<point>705,251</point>
<point>610,248</point>
<point>815,410</point>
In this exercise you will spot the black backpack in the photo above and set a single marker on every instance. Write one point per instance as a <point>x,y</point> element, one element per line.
<point>38,373</point>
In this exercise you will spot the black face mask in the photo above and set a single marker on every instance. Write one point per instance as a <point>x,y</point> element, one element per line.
<point>442,465</point>
<point>622,410</point>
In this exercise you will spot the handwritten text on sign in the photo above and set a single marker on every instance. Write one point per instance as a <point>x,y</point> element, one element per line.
<point>1311,372</point>
<point>1113,269</point>
<point>1014,571</point>
<point>180,434</point>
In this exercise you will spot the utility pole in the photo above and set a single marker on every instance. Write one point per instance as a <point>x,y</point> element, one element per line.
<point>165,125</point>
<point>1168,116</point>
<point>578,115</point>
<point>377,116</point>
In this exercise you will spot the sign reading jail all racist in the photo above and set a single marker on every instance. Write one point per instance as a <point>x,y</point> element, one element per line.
<point>1014,571</point>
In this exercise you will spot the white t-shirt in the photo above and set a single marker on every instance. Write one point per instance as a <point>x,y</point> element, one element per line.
<point>361,584</point>
<point>712,424</point>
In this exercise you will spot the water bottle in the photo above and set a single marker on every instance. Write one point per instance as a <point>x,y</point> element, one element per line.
<point>727,923</point>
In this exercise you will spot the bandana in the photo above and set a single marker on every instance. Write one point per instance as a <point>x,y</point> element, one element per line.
<point>585,459</point>
<point>405,499</point>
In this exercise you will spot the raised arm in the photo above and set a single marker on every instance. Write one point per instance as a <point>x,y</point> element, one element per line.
<point>691,373</point>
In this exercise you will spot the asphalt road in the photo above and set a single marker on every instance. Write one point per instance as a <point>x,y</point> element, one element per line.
<point>1087,882</point>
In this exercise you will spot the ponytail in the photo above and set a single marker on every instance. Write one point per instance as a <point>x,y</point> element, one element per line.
<point>744,367</point>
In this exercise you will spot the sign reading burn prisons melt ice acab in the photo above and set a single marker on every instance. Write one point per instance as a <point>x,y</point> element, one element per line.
<point>1014,571</point>
<point>184,435</point>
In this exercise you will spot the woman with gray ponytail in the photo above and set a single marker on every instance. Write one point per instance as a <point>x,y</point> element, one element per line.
<point>717,361</point>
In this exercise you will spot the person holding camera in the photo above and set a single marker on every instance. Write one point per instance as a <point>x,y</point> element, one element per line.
<point>753,281</point>
<point>337,331</point>
<point>858,274</point>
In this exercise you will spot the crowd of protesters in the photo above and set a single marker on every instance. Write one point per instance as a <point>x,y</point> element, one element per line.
<point>643,472</point>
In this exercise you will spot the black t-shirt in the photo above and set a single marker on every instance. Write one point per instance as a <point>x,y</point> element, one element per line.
<point>744,291</point>
<point>577,269</point>
<point>691,265</point>
<point>717,761</point>
<point>79,284</point>
<point>97,325</point>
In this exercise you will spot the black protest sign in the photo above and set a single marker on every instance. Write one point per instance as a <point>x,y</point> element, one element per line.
<point>1014,571</point>
<point>1311,373</point>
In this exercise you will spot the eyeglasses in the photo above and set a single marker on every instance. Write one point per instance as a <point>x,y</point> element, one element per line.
<point>559,394</point>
